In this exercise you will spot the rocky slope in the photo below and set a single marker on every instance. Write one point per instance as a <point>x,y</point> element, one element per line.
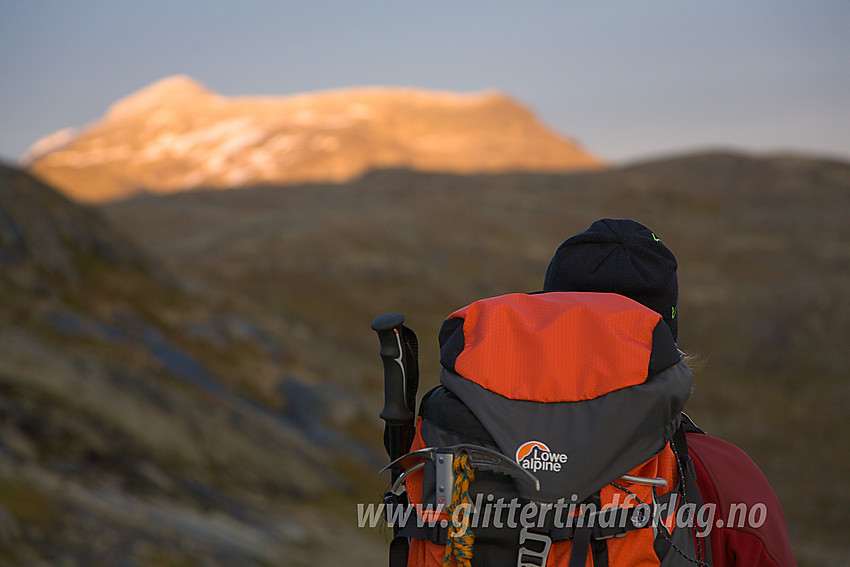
<point>176,135</point>
<point>145,421</point>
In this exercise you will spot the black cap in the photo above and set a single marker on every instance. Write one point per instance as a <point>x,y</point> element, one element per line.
<point>618,256</point>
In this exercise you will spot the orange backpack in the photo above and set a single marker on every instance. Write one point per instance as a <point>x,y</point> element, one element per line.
<point>554,438</point>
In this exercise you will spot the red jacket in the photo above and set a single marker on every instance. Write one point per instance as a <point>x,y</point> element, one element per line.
<point>727,477</point>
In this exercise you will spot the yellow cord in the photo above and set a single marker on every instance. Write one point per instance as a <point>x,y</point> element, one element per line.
<point>459,544</point>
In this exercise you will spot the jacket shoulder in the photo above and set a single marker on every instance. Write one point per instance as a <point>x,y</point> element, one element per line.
<point>749,523</point>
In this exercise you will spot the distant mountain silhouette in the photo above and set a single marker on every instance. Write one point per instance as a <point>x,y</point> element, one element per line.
<point>176,135</point>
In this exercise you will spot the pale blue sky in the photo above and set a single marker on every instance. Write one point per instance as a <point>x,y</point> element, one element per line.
<point>627,79</point>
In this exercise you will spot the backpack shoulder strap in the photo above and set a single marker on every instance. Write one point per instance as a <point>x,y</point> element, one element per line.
<point>688,480</point>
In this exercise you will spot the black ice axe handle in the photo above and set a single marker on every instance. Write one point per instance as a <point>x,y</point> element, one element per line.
<point>398,384</point>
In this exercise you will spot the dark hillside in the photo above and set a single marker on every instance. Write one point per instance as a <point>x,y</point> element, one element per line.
<point>764,252</point>
<point>143,423</point>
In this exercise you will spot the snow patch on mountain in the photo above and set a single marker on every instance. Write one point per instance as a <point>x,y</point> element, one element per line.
<point>48,144</point>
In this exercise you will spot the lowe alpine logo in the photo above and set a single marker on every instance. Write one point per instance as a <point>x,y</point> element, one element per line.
<point>536,456</point>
